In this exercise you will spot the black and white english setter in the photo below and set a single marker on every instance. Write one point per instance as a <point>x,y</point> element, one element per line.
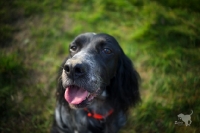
<point>97,85</point>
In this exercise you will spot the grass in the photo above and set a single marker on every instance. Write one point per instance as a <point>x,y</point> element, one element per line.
<point>162,40</point>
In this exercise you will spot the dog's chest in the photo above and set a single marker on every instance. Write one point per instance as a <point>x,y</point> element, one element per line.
<point>87,123</point>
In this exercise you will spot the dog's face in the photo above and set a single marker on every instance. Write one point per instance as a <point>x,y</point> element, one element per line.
<point>91,65</point>
<point>180,116</point>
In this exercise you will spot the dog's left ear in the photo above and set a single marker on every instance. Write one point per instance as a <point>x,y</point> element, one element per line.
<point>124,88</point>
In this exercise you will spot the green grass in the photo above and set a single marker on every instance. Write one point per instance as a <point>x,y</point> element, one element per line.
<point>162,38</point>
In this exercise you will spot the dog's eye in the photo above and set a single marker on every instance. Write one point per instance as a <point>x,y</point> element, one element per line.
<point>73,48</point>
<point>107,51</point>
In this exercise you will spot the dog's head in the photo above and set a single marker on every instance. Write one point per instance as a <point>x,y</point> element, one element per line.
<point>91,64</point>
<point>94,61</point>
<point>180,116</point>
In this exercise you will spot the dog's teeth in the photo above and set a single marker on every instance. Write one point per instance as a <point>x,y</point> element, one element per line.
<point>88,95</point>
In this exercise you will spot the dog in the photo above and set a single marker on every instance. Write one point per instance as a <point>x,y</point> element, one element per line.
<point>186,118</point>
<point>97,84</point>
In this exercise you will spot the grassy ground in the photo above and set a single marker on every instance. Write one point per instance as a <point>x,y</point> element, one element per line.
<point>161,37</point>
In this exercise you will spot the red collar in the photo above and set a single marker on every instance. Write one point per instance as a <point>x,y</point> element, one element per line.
<point>98,116</point>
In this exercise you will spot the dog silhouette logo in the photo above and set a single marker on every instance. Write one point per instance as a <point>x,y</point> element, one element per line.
<point>185,118</point>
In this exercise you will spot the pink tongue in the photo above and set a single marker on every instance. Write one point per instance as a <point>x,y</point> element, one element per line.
<point>75,95</point>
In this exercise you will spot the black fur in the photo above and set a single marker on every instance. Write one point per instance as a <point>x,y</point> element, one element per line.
<point>122,92</point>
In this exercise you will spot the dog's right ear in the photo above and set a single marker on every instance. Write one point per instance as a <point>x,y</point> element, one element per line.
<point>124,87</point>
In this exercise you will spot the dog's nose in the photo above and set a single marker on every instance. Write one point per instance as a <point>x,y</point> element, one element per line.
<point>75,70</point>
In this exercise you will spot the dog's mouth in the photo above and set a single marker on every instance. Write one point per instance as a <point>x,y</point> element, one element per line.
<point>79,97</point>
